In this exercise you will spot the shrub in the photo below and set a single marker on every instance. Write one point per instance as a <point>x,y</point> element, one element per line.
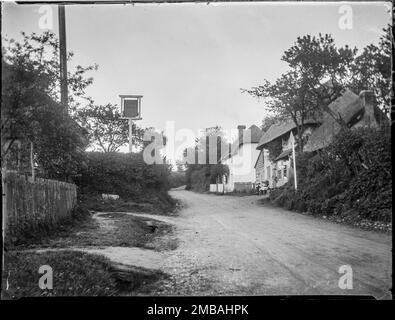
<point>124,174</point>
<point>128,176</point>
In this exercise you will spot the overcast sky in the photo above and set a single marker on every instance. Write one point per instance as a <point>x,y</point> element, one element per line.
<point>190,60</point>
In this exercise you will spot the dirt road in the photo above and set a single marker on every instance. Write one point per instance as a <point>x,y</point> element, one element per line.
<point>232,246</point>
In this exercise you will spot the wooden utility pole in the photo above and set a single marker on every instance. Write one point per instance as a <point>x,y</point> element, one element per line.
<point>32,160</point>
<point>294,159</point>
<point>63,57</point>
<point>130,135</point>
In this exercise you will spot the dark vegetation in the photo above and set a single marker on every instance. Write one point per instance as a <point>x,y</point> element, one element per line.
<point>74,274</point>
<point>350,180</point>
<point>200,176</point>
<point>39,130</point>
<point>177,179</point>
<point>200,173</point>
<point>141,187</point>
<point>32,116</point>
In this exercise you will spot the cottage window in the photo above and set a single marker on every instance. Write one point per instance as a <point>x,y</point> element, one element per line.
<point>285,171</point>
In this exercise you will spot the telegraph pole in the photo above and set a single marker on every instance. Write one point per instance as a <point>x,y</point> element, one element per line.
<point>130,135</point>
<point>63,57</point>
<point>294,159</point>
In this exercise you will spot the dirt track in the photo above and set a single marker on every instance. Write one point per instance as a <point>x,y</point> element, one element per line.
<point>233,246</point>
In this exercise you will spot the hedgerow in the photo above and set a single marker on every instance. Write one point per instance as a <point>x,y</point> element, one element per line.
<point>126,175</point>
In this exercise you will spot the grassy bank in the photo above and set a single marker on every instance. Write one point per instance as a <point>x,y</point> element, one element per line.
<point>349,181</point>
<point>74,274</point>
<point>285,197</point>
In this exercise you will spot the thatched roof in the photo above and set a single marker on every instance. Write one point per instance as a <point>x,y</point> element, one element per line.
<point>347,105</point>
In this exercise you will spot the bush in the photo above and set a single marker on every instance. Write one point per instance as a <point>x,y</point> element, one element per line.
<point>124,174</point>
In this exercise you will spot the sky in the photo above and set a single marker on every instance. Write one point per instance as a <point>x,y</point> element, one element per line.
<point>189,61</point>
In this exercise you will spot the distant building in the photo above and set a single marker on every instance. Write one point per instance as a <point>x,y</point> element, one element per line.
<point>241,160</point>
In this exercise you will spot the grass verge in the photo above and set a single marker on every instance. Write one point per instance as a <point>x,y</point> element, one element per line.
<point>160,204</point>
<point>352,219</point>
<point>74,274</point>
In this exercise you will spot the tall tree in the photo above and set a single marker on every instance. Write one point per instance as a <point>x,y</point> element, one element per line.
<point>289,98</point>
<point>324,68</point>
<point>371,70</point>
<point>30,104</point>
<point>202,174</point>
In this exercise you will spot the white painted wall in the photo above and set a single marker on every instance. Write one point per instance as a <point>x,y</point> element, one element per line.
<point>241,165</point>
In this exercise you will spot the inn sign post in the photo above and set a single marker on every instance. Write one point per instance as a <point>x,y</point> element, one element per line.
<point>131,110</point>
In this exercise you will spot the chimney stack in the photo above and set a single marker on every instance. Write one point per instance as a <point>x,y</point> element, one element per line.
<point>241,129</point>
<point>367,100</point>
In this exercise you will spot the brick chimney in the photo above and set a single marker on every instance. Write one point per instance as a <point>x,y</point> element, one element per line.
<point>241,129</point>
<point>367,101</point>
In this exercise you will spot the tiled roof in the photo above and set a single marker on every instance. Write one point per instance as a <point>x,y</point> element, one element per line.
<point>278,129</point>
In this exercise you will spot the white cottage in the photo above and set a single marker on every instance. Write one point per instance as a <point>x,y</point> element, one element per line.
<point>241,160</point>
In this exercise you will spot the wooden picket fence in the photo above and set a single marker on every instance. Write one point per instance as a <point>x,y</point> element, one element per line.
<point>31,205</point>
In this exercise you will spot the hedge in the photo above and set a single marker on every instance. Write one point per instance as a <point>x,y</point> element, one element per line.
<point>126,175</point>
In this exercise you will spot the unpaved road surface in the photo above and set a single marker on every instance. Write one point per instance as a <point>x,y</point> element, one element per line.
<point>233,246</point>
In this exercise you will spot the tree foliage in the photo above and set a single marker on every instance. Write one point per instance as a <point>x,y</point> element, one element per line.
<point>31,111</point>
<point>268,121</point>
<point>108,131</point>
<point>319,72</point>
<point>371,70</point>
<point>289,97</point>
<point>198,175</point>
